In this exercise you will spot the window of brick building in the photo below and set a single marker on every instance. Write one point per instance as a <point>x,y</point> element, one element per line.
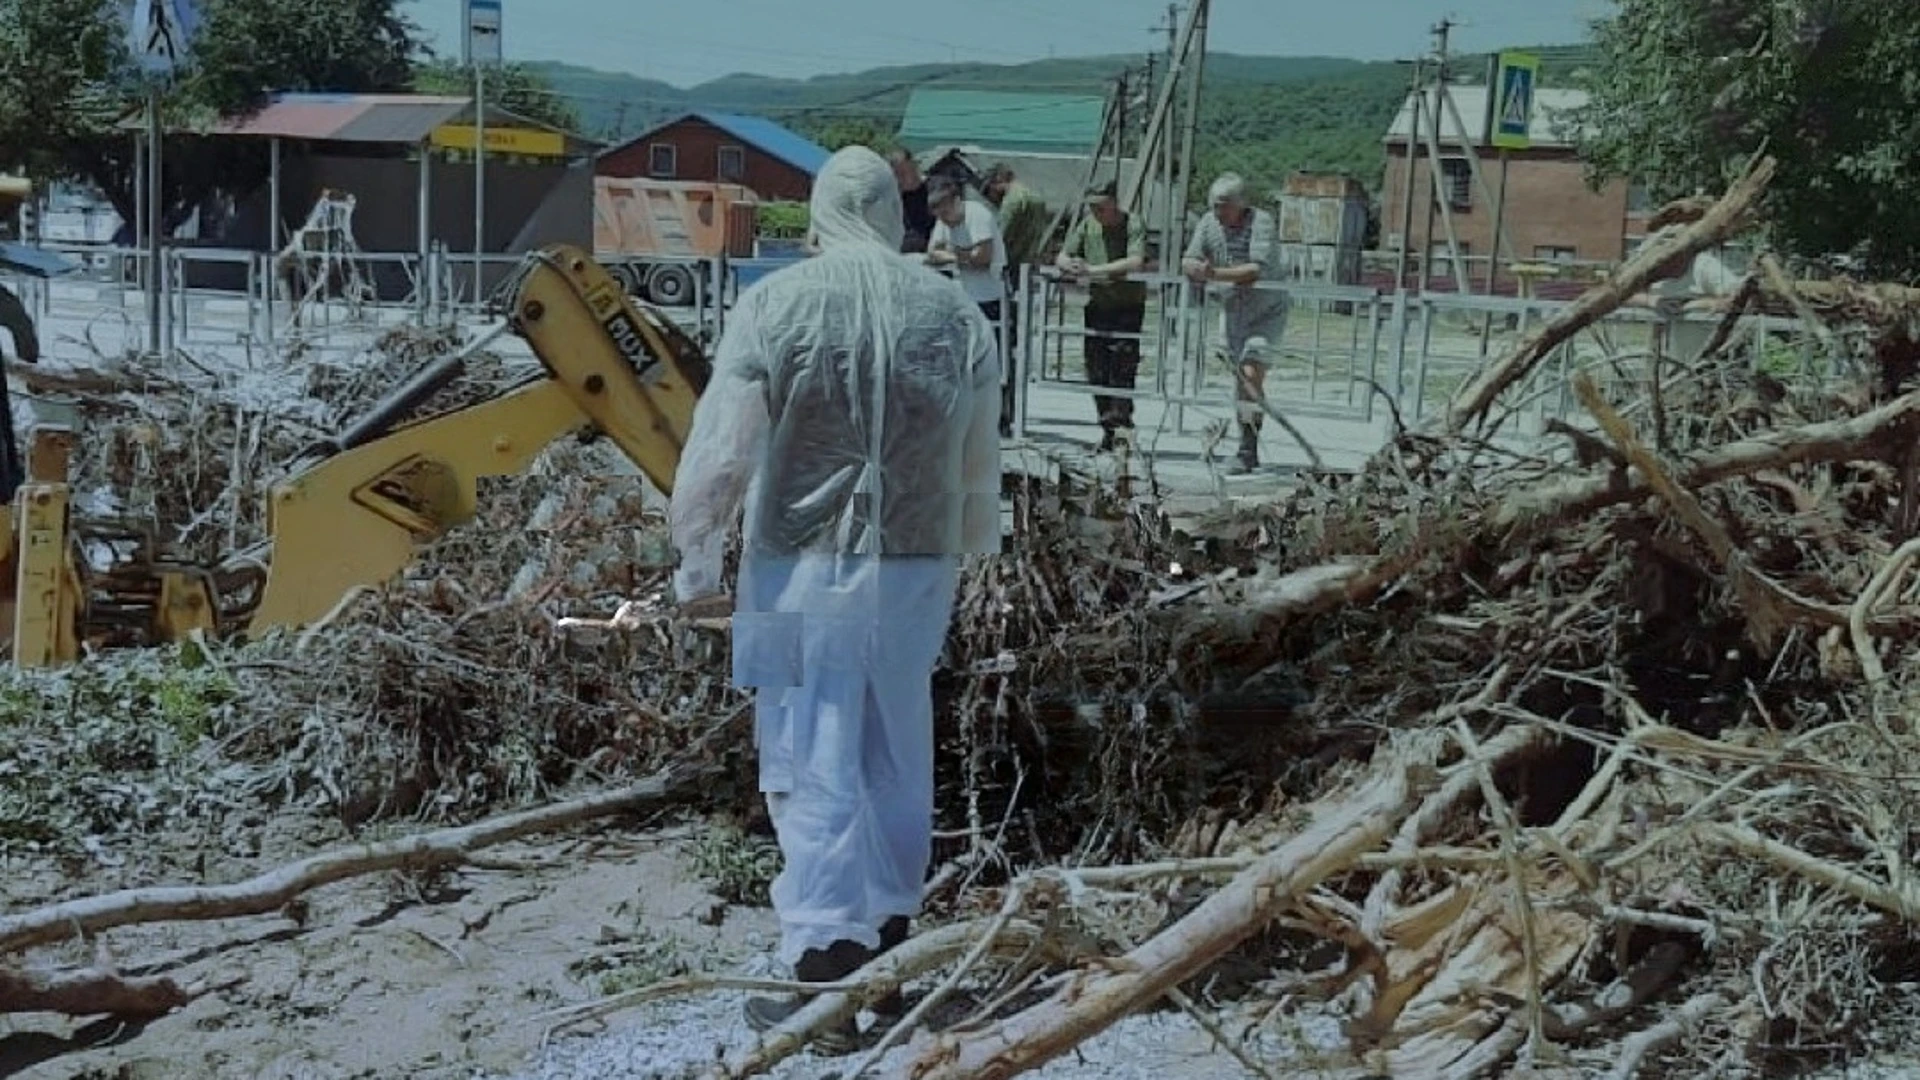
<point>1456,180</point>
<point>1554,253</point>
<point>663,160</point>
<point>733,163</point>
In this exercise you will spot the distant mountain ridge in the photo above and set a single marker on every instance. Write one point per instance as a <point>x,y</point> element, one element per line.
<point>613,104</point>
<point>1264,116</point>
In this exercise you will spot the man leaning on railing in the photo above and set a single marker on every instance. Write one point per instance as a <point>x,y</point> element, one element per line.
<point>1102,250</point>
<point>1238,245</point>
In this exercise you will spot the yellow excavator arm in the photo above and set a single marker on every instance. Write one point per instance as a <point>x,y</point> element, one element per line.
<point>358,515</point>
<point>355,510</point>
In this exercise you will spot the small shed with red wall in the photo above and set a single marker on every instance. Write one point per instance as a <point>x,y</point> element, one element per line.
<point>714,147</point>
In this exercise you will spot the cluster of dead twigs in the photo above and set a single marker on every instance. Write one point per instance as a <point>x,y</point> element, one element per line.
<point>1573,760</point>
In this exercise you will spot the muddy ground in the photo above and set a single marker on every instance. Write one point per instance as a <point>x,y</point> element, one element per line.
<point>386,977</point>
<point>456,977</point>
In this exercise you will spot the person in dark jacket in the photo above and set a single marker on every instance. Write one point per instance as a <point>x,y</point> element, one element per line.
<point>915,212</point>
<point>26,346</point>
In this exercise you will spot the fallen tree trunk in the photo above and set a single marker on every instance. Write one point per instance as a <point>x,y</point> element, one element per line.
<point>82,381</point>
<point>269,892</point>
<point>1316,589</point>
<point>1339,835</point>
<point>1727,217</point>
<point>90,993</point>
<point>1853,438</point>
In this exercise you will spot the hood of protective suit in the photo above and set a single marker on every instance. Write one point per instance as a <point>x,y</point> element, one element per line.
<point>856,202</point>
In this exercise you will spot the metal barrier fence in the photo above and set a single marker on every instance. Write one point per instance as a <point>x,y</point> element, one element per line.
<point>256,300</point>
<point>1352,359</point>
<point>1360,358</point>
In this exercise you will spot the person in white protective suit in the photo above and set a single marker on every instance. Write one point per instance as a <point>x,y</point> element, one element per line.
<point>854,411</point>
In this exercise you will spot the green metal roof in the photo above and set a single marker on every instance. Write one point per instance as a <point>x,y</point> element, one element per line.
<point>994,120</point>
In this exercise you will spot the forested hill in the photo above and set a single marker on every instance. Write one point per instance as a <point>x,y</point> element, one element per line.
<point>1264,115</point>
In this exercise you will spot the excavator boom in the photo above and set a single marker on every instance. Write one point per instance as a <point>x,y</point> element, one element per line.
<point>357,507</point>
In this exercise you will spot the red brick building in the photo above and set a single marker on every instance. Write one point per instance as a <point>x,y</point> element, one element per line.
<point>1551,215</point>
<point>775,163</point>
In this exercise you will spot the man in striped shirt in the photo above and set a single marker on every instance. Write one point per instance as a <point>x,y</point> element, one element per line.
<point>1238,245</point>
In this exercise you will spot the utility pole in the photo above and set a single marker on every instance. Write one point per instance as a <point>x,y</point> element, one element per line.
<point>1196,63</point>
<point>157,313</point>
<point>1172,28</point>
<point>1416,103</point>
<point>1441,197</point>
<point>1438,66</point>
<point>479,183</point>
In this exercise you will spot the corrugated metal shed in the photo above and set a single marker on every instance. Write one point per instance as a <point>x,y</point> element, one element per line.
<point>1552,127</point>
<point>1036,123</point>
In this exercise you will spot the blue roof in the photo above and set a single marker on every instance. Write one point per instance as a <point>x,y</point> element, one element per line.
<point>764,135</point>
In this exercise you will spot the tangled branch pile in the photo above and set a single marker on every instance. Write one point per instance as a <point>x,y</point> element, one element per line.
<point>1611,746</point>
<point>1546,746</point>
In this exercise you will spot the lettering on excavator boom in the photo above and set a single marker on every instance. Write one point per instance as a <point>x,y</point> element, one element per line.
<point>631,341</point>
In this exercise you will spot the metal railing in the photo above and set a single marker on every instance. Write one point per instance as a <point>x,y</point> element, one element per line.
<point>1362,357</point>
<point>1352,356</point>
<point>224,296</point>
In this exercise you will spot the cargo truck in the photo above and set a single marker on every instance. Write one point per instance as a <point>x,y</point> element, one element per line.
<point>650,234</point>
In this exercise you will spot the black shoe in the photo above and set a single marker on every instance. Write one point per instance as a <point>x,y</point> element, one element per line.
<point>891,1009</point>
<point>829,965</point>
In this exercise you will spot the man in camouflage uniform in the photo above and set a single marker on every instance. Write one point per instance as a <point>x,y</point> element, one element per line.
<point>1238,245</point>
<point>1103,249</point>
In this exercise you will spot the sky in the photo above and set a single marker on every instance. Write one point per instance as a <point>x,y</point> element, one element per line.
<point>687,42</point>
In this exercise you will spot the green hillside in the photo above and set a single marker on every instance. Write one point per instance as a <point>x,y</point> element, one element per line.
<point>1265,116</point>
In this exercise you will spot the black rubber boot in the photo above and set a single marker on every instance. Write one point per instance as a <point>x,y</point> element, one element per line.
<point>828,965</point>
<point>1249,448</point>
<point>889,1010</point>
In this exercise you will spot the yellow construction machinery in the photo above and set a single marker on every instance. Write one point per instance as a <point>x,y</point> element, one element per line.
<point>353,511</point>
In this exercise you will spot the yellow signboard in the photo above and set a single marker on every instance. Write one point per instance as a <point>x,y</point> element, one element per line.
<point>530,142</point>
<point>1515,80</point>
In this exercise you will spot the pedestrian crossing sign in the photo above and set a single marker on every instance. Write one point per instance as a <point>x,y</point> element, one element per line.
<point>1515,78</point>
<point>161,31</point>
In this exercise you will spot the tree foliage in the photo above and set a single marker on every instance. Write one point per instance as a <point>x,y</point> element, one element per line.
<point>68,84</point>
<point>1686,91</point>
<point>837,132</point>
<point>248,49</point>
<point>1267,133</point>
<point>516,88</point>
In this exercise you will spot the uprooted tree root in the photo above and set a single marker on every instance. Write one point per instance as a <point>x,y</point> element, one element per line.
<point>1586,758</point>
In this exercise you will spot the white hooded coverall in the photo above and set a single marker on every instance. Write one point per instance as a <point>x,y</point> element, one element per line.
<point>854,411</point>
